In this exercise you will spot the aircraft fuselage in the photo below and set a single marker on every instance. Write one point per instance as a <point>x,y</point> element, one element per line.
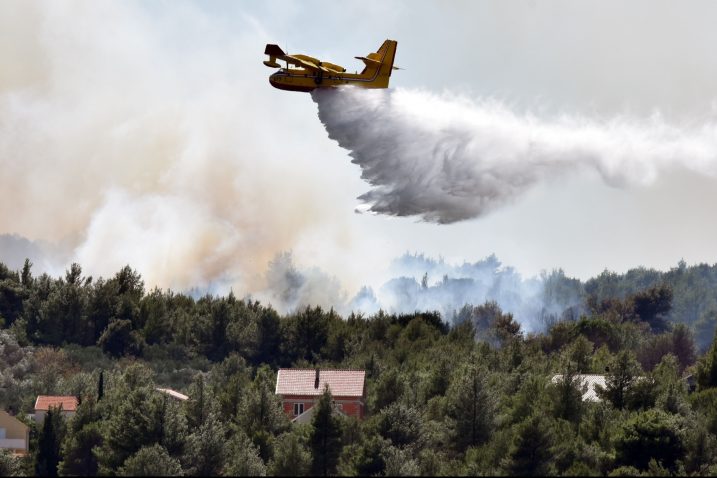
<point>297,79</point>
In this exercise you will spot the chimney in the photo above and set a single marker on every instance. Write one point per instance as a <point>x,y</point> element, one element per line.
<point>316,382</point>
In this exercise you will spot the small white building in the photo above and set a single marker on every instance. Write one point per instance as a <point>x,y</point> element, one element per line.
<point>589,382</point>
<point>66,404</point>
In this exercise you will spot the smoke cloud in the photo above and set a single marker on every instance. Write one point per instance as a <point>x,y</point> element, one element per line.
<point>132,136</point>
<point>447,158</point>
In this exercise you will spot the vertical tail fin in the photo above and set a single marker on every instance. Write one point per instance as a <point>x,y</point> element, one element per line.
<point>387,53</point>
<point>379,65</point>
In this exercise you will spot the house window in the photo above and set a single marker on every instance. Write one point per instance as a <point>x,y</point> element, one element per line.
<point>338,406</point>
<point>298,409</point>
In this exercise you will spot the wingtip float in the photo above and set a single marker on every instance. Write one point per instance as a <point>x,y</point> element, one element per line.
<point>311,73</point>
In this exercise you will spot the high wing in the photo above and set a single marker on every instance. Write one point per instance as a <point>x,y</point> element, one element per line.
<point>302,61</point>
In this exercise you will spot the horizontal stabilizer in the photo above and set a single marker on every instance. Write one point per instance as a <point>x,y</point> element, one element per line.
<point>368,61</point>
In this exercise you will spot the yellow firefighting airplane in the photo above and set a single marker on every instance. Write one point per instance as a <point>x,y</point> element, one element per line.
<point>313,73</point>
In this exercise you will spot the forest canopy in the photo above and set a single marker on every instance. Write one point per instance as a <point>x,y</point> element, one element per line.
<point>465,392</point>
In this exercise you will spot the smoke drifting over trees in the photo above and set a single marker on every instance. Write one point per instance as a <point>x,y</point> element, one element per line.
<point>447,158</point>
<point>120,149</point>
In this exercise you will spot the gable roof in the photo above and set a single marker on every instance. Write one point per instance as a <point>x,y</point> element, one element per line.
<point>44,402</point>
<point>5,417</point>
<point>342,383</point>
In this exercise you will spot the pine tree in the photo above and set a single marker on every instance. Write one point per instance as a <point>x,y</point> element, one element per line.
<point>707,368</point>
<point>291,458</point>
<point>260,414</point>
<point>245,459</point>
<point>198,406</point>
<point>568,396</point>
<point>84,434</point>
<point>26,275</point>
<point>623,372</point>
<point>531,452</point>
<point>129,428</point>
<point>151,461</point>
<point>471,407</point>
<point>325,437</point>
<point>205,452</point>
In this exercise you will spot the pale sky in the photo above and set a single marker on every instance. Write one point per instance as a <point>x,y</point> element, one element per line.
<point>598,58</point>
<point>153,105</point>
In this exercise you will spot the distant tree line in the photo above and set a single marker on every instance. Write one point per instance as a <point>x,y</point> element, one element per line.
<point>470,394</point>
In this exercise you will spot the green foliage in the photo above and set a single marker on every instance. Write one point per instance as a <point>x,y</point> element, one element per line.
<point>151,461</point>
<point>244,459</point>
<point>365,458</point>
<point>119,339</point>
<point>399,462</point>
<point>84,435</point>
<point>652,306</point>
<point>707,368</point>
<point>291,457</point>
<point>389,388</point>
<point>48,444</point>
<point>567,395</point>
<point>472,398</point>
<point>260,414</point>
<point>652,434</point>
<point>141,417</point>
<point>623,373</point>
<point>401,424</point>
<point>531,453</point>
<point>705,404</point>
<point>325,438</point>
<point>206,449</point>
<point>471,406</point>
<point>9,465</point>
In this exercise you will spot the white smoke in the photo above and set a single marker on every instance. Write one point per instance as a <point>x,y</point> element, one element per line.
<point>130,135</point>
<point>447,158</point>
<point>421,283</point>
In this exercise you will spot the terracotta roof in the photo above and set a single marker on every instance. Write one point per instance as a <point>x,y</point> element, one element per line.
<point>342,383</point>
<point>44,402</point>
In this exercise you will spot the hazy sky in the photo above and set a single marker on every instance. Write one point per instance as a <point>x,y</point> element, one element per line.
<point>147,132</point>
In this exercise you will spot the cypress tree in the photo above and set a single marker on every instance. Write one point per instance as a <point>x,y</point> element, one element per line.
<point>48,444</point>
<point>101,386</point>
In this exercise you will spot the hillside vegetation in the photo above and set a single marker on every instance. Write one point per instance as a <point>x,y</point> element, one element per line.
<point>469,394</point>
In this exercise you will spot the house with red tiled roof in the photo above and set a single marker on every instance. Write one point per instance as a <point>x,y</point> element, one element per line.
<point>14,435</point>
<point>300,390</point>
<point>66,404</point>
